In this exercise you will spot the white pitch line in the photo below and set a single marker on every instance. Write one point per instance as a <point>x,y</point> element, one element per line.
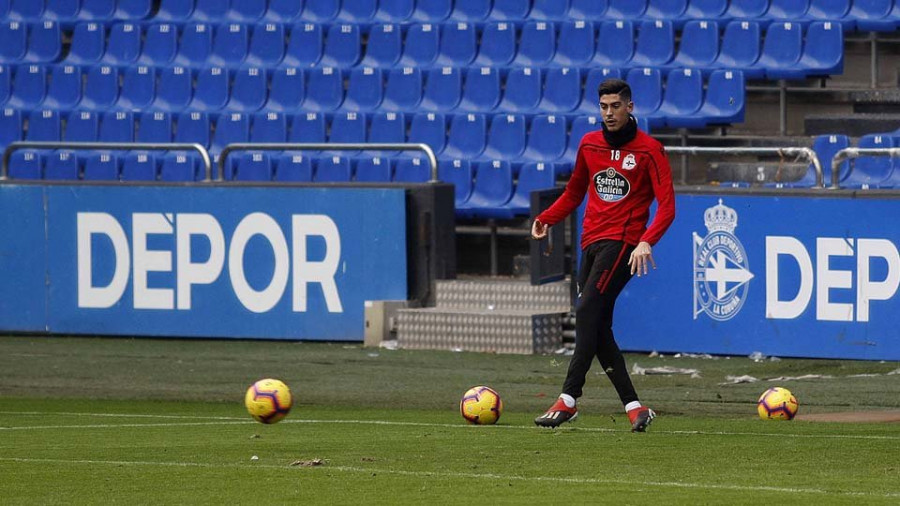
<point>484,476</point>
<point>123,425</point>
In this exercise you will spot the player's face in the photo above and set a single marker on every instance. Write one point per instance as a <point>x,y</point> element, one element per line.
<point>615,111</point>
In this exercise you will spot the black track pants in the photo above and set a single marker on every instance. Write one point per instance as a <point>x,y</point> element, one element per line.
<point>604,273</point>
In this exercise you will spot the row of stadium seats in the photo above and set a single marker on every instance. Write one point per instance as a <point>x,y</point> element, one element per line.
<point>790,48</point>
<point>681,102</point>
<point>863,15</point>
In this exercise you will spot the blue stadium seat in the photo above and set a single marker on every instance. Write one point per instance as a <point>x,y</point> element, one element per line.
<point>5,83</point>
<point>747,9</point>
<point>155,127</point>
<point>787,10</point>
<point>138,88</point>
<point>333,169</point>
<point>395,11</point>
<point>458,173</point>
<point>412,170</point>
<point>646,87</point>
<point>871,171</point>
<point>388,127</point>
<point>211,89</point>
<point>305,45</point>
<point>823,50</point>
<point>626,9</point>
<point>99,10</point>
<point>458,45</point>
<point>825,146</point>
<point>575,46</point>
<point>117,126</point>
<point>324,89</point>
<point>230,46</point>
<point>44,43</point>
<point>498,45</point>
<point>705,9</point>
<point>321,11</point>
<point>781,51</point>
<point>342,46</point>
<point>160,45</point>
<point>249,90</point>
<point>246,11</point>
<point>348,127</point>
<point>357,11</point>
<point>655,44</point>
<point>175,91</point>
<point>741,48</point>
<point>522,91</point>
<point>555,10</point>
<point>283,11</point>
<point>179,166</point>
<point>562,90</point>
<point>101,88</point>
<point>384,46</point>
<point>286,90</point>
<point>593,10</point>
<point>101,166</point>
<point>506,138</point>
<point>421,47</point>
<point>43,125</point>
<point>174,10</point>
<point>266,45</point>
<point>25,9</point>
<point>254,167</point>
<point>581,125</point>
<point>510,10</point>
<point>532,176</point>
<point>308,127</point>
<point>683,96</point>
<point>671,10</point>
<point>62,166</point>
<point>25,165</point>
<point>364,91</point>
<point>537,44</point>
<point>546,139</point>
<point>10,126</point>
<point>493,188</point>
<point>467,136</point>
<point>231,127</point>
<point>374,169</point>
<point>482,90</point>
<point>88,44</point>
<point>429,128</point>
<point>724,103</point>
<point>403,91</point>
<point>210,11</point>
<point>432,11</point>
<point>139,166</point>
<point>64,91</point>
<point>133,9</point>
<point>82,126</point>
<point>874,15</point>
<point>443,90</point>
<point>195,46</point>
<point>590,101</point>
<point>193,127</point>
<point>123,44</point>
<point>831,10</point>
<point>699,46</point>
<point>615,44</point>
<point>268,126</point>
<point>13,41</point>
<point>471,11</point>
<point>29,87</point>
<point>293,167</point>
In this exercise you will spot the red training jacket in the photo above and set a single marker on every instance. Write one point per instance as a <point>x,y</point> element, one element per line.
<point>623,184</point>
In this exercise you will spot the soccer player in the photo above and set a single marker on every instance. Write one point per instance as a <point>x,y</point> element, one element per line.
<point>622,169</point>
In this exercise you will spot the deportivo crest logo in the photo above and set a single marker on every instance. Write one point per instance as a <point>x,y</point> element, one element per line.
<point>629,162</point>
<point>721,271</point>
<point>610,185</point>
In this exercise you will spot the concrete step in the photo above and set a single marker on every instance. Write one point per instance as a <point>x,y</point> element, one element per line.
<point>497,331</point>
<point>492,294</point>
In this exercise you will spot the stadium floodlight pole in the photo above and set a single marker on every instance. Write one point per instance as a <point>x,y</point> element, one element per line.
<point>112,146</point>
<point>807,153</point>
<point>849,153</point>
<point>338,146</point>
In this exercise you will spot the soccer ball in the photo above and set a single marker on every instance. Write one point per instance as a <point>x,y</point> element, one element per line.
<point>268,400</point>
<point>777,403</point>
<point>481,406</point>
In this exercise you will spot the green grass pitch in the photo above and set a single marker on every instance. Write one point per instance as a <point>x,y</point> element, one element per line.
<point>148,421</point>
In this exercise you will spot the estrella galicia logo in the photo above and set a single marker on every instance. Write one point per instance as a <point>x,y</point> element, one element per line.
<point>721,271</point>
<point>610,185</point>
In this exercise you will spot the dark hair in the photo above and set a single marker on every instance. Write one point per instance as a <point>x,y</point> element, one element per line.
<point>615,87</point>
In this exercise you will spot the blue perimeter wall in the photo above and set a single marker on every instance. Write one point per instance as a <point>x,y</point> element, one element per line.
<point>309,257</point>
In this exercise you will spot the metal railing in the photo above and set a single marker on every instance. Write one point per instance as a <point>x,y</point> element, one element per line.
<point>807,153</point>
<point>851,153</point>
<point>280,146</point>
<point>112,146</point>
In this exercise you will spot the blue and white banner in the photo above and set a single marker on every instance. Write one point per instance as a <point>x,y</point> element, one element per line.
<point>274,263</point>
<point>786,276</point>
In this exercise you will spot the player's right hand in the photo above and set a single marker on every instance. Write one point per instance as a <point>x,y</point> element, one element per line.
<point>539,230</point>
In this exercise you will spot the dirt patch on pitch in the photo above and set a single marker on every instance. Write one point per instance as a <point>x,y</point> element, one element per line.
<point>853,417</point>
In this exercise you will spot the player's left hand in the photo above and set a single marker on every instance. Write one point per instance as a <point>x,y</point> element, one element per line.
<point>641,259</point>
